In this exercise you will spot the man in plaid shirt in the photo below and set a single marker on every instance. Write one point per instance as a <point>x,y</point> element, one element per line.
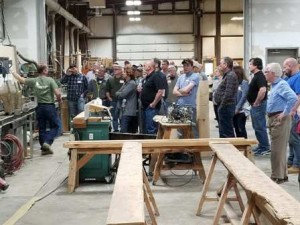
<point>77,86</point>
<point>225,98</point>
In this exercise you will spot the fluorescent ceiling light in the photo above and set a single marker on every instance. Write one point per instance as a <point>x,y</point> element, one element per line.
<point>235,18</point>
<point>134,19</point>
<point>133,13</point>
<point>135,2</point>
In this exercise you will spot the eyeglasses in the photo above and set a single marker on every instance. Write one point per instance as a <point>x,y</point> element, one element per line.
<point>267,71</point>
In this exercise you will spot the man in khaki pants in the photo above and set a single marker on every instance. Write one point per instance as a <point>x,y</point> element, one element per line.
<point>280,103</point>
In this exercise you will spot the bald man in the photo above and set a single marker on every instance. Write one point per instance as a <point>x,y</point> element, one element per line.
<point>151,94</point>
<point>291,70</point>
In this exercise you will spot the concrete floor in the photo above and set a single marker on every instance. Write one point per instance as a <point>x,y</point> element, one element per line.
<point>44,178</point>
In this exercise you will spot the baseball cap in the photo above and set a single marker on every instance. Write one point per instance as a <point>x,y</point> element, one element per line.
<point>196,64</point>
<point>116,65</point>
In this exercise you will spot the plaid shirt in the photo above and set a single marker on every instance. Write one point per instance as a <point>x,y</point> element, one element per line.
<point>77,86</point>
<point>227,90</point>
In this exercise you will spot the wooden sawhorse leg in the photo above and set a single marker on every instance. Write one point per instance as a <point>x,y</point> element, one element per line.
<point>158,167</point>
<point>198,163</point>
<point>150,200</point>
<point>206,185</point>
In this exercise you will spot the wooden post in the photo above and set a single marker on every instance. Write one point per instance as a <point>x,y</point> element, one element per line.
<point>203,109</point>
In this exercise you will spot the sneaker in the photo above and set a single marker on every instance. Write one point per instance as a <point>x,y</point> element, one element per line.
<point>293,169</point>
<point>255,150</point>
<point>266,152</point>
<point>262,153</point>
<point>46,149</point>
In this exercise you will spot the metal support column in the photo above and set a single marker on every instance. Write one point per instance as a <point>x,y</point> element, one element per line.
<point>114,50</point>
<point>218,31</point>
<point>247,33</point>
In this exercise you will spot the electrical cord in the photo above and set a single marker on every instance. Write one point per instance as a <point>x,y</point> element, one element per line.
<point>7,147</point>
<point>180,185</point>
<point>17,157</point>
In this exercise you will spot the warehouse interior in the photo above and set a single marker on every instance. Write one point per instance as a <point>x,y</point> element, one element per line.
<point>60,33</point>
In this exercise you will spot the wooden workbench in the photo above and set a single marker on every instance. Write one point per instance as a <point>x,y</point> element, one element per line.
<point>164,132</point>
<point>90,148</point>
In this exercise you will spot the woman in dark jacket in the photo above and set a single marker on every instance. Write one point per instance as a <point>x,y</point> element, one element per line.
<point>127,102</point>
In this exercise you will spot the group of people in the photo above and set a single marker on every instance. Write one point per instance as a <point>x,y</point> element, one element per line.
<point>135,93</point>
<point>234,98</point>
<point>138,93</point>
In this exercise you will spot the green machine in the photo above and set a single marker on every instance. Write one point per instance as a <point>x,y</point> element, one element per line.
<point>98,168</point>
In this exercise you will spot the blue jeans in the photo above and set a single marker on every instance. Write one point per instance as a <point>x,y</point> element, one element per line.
<point>294,144</point>
<point>115,115</point>
<point>47,118</point>
<point>259,124</point>
<point>150,125</point>
<point>226,114</point>
<point>76,107</point>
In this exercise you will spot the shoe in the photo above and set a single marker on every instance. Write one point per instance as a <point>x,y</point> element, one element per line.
<point>293,169</point>
<point>46,149</point>
<point>255,150</point>
<point>280,181</point>
<point>266,152</point>
<point>289,165</point>
<point>150,176</point>
<point>262,153</point>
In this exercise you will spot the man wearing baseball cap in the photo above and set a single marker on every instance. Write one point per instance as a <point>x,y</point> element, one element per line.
<point>186,90</point>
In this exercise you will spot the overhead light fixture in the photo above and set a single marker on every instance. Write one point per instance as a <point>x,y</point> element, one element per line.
<point>130,13</point>
<point>236,18</point>
<point>132,19</point>
<point>135,2</point>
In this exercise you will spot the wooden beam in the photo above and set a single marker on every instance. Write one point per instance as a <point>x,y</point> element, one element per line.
<point>164,143</point>
<point>127,203</point>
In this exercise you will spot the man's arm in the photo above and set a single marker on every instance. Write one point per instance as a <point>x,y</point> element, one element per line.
<point>186,90</point>
<point>57,94</point>
<point>108,90</point>
<point>260,96</point>
<point>18,77</point>
<point>157,98</point>
<point>177,92</point>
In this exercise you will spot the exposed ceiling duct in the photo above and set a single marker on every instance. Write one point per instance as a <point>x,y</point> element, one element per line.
<point>54,6</point>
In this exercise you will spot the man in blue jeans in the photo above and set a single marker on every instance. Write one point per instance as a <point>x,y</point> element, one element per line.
<point>225,98</point>
<point>292,71</point>
<point>45,88</point>
<point>77,87</point>
<point>257,98</point>
<point>186,91</point>
<point>151,94</point>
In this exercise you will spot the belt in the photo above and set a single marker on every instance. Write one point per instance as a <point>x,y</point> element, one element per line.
<point>274,113</point>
